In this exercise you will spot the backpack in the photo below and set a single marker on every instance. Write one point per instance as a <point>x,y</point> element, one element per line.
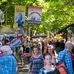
<point>62,67</point>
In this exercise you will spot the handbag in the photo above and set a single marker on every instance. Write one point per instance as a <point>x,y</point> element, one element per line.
<point>62,68</point>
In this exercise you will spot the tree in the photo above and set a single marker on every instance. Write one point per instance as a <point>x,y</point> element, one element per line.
<point>56,14</point>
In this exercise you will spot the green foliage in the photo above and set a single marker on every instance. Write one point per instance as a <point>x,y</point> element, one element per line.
<point>56,14</point>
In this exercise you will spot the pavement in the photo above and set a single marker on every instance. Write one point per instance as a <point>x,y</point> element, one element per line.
<point>24,69</point>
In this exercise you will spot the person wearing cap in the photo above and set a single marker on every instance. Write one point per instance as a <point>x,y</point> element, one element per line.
<point>8,64</point>
<point>36,61</point>
<point>66,57</point>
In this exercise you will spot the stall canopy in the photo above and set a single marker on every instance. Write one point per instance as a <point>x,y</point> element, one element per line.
<point>38,36</point>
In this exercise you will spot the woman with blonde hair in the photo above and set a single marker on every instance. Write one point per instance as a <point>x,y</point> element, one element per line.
<point>36,61</point>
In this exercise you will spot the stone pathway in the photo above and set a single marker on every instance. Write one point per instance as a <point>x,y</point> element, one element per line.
<point>23,70</point>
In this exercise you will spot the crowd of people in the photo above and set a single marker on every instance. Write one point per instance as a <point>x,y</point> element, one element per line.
<point>45,58</point>
<point>47,62</point>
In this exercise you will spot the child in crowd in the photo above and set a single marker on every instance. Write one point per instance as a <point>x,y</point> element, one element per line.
<point>48,67</point>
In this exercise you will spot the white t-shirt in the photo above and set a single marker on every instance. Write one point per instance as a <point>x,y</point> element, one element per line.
<point>54,58</point>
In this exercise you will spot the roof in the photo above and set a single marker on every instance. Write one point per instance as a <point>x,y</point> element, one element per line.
<point>65,28</point>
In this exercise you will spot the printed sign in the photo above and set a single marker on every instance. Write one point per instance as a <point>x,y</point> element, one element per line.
<point>34,14</point>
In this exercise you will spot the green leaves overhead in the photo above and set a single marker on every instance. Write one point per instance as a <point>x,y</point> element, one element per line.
<point>56,14</point>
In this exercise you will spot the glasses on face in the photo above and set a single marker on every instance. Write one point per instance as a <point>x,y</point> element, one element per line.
<point>35,48</point>
<point>49,48</point>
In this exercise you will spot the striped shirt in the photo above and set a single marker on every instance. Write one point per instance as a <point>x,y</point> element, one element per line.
<point>36,63</point>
